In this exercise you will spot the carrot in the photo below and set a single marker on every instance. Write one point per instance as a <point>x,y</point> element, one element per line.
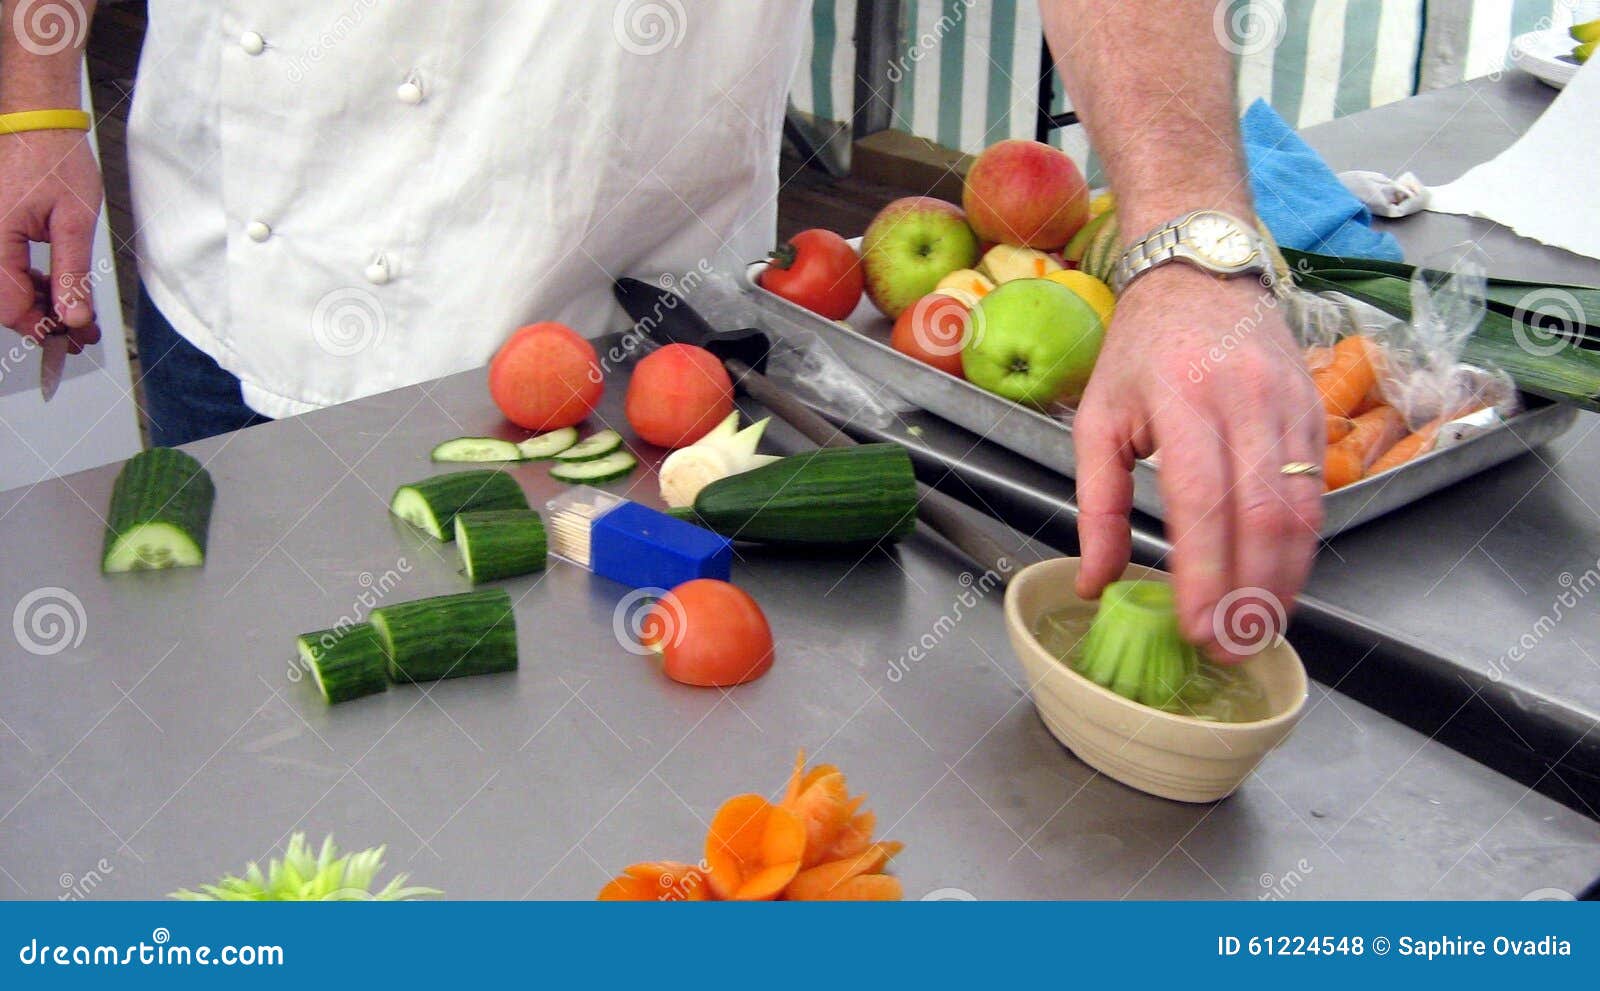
<point>1417,443</point>
<point>868,888</point>
<point>1372,433</point>
<point>1339,428</point>
<point>656,880</point>
<point>1317,357</point>
<point>820,882</point>
<point>1350,377</point>
<point>753,849</point>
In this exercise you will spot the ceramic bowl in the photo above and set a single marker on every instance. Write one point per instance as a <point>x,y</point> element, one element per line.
<point>1166,754</point>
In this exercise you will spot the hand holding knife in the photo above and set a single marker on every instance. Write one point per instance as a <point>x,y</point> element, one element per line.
<point>55,338</point>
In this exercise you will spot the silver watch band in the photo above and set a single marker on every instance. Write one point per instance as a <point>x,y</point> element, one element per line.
<point>1168,243</point>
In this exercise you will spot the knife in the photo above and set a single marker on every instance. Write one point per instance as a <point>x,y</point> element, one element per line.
<point>667,318</point>
<point>52,361</point>
<point>54,344</point>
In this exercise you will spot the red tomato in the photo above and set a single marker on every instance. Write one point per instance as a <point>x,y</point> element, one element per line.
<point>933,330</point>
<point>677,394</point>
<point>546,377</point>
<point>709,633</point>
<point>819,270</point>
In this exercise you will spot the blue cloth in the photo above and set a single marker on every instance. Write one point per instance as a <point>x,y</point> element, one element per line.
<point>1300,199</point>
<point>187,395</point>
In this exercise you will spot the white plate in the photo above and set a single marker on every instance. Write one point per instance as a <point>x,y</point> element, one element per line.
<point>1547,55</point>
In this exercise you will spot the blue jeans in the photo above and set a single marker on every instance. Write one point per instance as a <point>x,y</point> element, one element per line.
<point>187,395</point>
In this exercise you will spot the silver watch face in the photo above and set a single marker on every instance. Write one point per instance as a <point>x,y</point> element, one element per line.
<point>1219,240</point>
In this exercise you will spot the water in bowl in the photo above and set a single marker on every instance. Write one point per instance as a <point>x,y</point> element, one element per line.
<point>1218,693</point>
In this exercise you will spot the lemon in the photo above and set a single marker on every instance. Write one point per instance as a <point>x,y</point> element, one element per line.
<point>1100,204</point>
<point>1090,289</point>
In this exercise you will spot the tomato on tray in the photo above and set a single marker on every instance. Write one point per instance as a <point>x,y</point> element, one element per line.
<point>677,394</point>
<point>818,270</point>
<point>709,633</point>
<point>546,376</point>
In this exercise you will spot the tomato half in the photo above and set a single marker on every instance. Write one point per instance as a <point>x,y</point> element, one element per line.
<point>933,330</point>
<point>818,270</point>
<point>709,633</point>
<point>677,394</point>
<point>546,377</point>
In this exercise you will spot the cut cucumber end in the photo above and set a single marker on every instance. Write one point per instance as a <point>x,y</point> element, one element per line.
<point>347,662</point>
<point>411,506</point>
<point>548,445</point>
<point>464,546</point>
<point>606,468</point>
<point>596,445</point>
<point>152,547</point>
<point>308,660</point>
<point>476,449</point>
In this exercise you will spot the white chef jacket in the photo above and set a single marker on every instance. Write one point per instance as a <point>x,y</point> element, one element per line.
<point>337,199</point>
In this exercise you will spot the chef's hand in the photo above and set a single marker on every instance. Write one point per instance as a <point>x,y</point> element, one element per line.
<point>1205,371</point>
<point>50,192</point>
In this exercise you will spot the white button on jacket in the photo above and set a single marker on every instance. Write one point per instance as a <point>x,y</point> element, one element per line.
<point>516,154</point>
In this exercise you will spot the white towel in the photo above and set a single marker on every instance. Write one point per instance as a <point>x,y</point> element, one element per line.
<point>1543,187</point>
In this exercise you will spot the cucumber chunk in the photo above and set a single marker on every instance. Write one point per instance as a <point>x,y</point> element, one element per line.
<point>548,445</point>
<point>603,469</point>
<point>476,449</point>
<point>160,513</point>
<point>346,663</point>
<point>448,636</point>
<point>500,543</point>
<point>432,504</point>
<point>596,445</point>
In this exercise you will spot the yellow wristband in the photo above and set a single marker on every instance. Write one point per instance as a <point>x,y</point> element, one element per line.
<point>44,120</point>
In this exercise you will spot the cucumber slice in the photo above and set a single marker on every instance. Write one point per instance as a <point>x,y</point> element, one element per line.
<point>433,503</point>
<point>448,636</point>
<point>159,515</point>
<point>548,445</point>
<point>602,469</point>
<point>595,446</point>
<point>477,449</point>
<point>347,663</point>
<point>500,543</point>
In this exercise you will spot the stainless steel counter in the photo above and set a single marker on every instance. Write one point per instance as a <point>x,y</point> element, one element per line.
<point>1473,615</point>
<point>164,742</point>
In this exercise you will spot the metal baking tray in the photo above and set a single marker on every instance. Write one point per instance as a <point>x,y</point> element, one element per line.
<point>862,342</point>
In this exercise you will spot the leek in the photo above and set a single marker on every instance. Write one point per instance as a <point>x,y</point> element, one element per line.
<point>1515,312</point>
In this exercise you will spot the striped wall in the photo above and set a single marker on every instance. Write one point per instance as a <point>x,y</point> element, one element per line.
<point>967,71</point>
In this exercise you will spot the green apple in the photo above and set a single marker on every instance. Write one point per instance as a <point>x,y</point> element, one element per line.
<point>910,245</point>
<point>1034,341</point>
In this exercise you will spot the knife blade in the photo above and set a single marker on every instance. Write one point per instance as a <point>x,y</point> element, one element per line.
<point>52,361</point>
<point>667,318</point>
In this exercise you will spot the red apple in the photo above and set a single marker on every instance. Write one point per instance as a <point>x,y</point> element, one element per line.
<point>910,245</point>
<point>1025,193</point>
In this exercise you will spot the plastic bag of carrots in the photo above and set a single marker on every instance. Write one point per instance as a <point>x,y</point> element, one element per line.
<point>1388,388</point>
<point>814,844</point>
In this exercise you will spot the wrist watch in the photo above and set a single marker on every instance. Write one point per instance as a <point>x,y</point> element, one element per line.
<point>1210,240</point>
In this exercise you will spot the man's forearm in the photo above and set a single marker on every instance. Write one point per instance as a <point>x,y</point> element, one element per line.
<point>1155,90</point>
<point>41,54</point>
